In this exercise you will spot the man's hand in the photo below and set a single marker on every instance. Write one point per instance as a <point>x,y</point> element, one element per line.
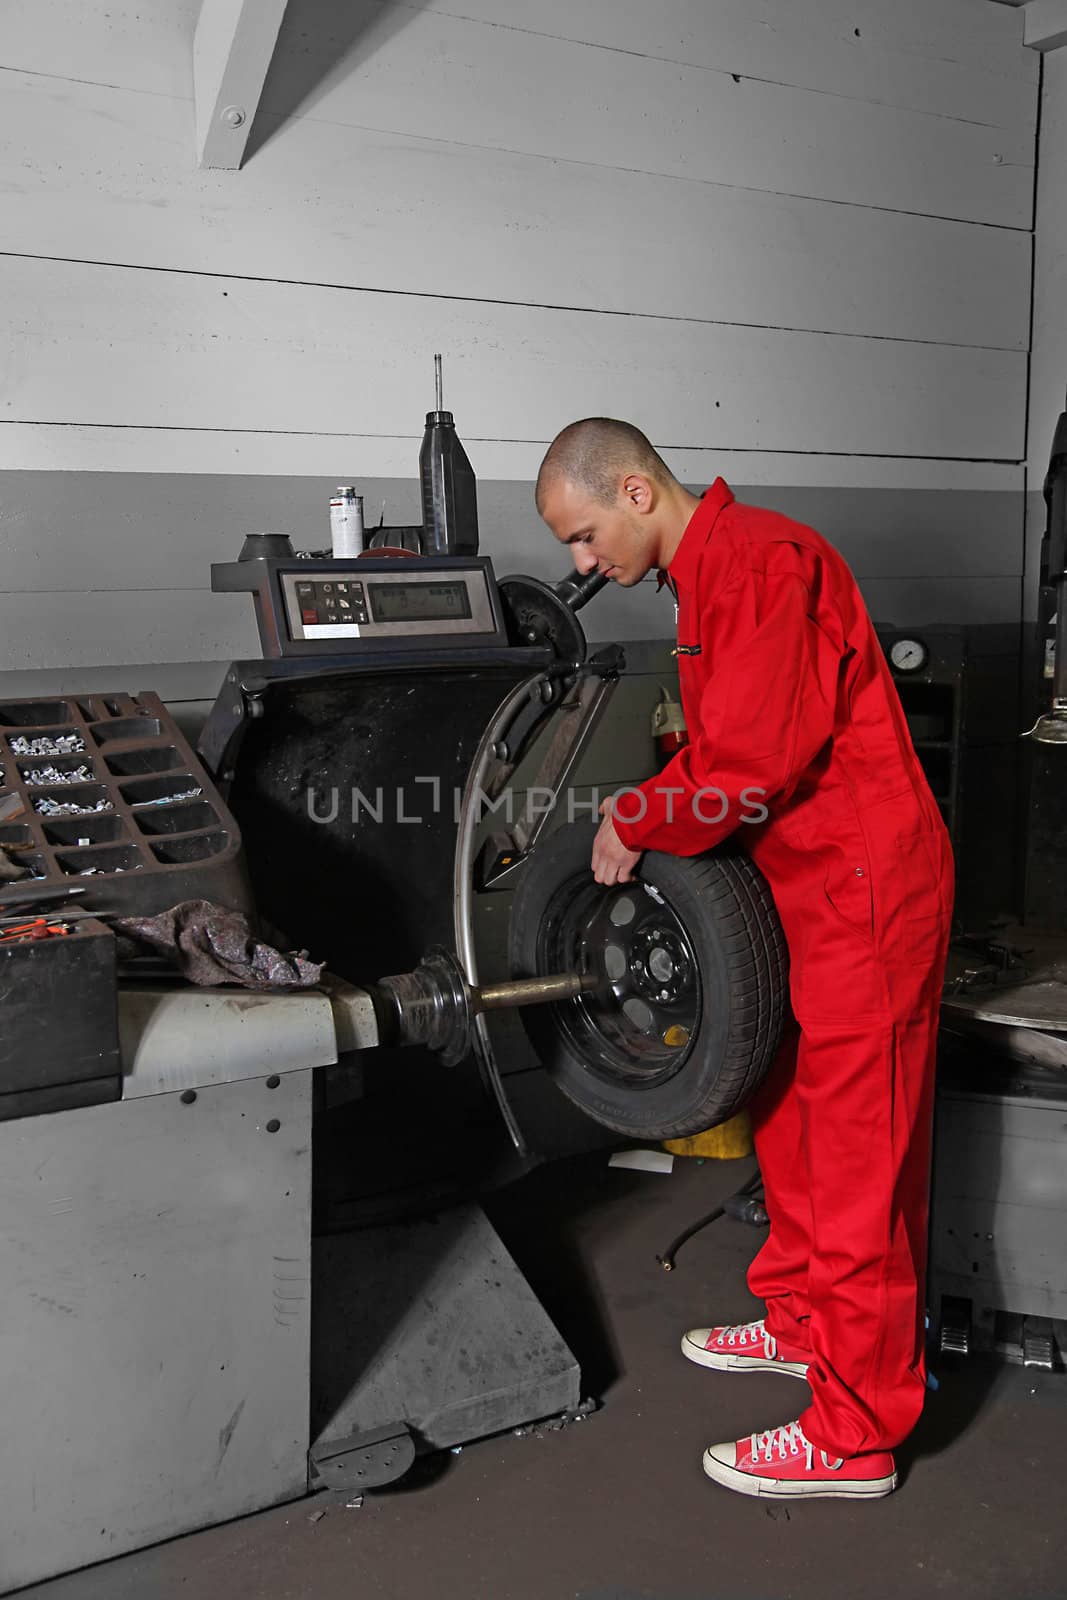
<point>612,862</point>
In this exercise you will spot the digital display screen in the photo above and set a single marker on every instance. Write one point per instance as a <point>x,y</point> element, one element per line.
<point>418,602</point>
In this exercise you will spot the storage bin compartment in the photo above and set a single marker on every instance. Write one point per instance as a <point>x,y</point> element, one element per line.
<point>15,833</point>
<point>73,743</point>
<point>181,818</point>
<point>35,713</point>
<point>126,728</point>
<point>197,847</point>
<point>160,791</point>
<point>37,867</point>
<point>67,799</point>
<point>102,828</point>
<point>929,709</point>
<point>108,858</point>
<point>158,758</point>
<point>34,769</point>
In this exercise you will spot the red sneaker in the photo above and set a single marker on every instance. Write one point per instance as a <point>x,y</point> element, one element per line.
<point>745,1347</point>
<point>782,1464</point>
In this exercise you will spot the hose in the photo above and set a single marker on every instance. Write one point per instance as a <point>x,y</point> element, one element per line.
<point>740,1206</point>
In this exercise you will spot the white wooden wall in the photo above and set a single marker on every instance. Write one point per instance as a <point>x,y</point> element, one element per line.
<point>789,238</point>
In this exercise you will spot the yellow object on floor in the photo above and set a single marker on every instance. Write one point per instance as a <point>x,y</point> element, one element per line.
<point>729,1140</point>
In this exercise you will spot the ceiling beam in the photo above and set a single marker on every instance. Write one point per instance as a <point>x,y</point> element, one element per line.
<point>1045,24</point>
<point>232,48</point>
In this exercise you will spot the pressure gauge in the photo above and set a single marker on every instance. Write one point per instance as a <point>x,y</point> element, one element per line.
<point>908,655</point>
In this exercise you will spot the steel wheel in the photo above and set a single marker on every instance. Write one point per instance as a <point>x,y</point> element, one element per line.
<point>641,1019</point>
<point>692,986</point>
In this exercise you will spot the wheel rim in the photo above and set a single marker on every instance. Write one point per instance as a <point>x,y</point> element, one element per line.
<point>639,1024</point>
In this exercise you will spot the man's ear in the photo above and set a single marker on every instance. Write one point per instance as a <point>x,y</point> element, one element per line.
<point>637,491</point>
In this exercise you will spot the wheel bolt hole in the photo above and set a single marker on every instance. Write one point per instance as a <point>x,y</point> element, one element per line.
<point>614,962</point>
<point>623,911</point>
<point>639,1014</point>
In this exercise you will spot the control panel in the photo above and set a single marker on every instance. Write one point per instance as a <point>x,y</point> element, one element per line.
<point>321,606</point>
<point>349,604</point>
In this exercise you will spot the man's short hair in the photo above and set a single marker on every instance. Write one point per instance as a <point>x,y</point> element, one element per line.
<point>595,454</point>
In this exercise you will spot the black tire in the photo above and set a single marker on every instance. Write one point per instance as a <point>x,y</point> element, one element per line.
<point>727,985</point>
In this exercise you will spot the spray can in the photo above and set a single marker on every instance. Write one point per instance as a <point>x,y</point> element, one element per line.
<point>346,522</point>
<point>449,487</point>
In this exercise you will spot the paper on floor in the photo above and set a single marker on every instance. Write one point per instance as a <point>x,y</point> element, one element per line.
<point>643,1160</point>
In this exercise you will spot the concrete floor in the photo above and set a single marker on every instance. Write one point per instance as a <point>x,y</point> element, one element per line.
<point>616,1507</point>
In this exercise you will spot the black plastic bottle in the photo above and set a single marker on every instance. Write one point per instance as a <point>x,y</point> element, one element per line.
<point>449,487</point>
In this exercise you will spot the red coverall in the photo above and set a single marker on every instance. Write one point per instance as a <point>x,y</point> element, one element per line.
<point>786,689</point>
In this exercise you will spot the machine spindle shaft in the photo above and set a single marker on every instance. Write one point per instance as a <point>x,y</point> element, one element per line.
<point>436,1006</point>
<point>530,991</point>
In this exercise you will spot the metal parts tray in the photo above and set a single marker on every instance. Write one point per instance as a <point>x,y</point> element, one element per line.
<point>113,797</point>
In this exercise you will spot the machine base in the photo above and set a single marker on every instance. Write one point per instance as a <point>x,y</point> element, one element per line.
<point>154,1342</point>
<point>999,1209</point>
<point>426,1326</point>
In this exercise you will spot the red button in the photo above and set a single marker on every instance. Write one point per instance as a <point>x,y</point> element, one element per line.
<point>309,616</point>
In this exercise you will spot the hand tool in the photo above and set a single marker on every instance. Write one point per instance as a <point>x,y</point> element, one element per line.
<point>22,894</point>
<point>39,928</point>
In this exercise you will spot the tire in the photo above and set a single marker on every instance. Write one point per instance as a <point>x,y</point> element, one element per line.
<point>647,1061</point>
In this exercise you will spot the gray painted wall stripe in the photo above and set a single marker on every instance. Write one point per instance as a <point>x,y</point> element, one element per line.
<point>85,531</point>
<point>102,568</point>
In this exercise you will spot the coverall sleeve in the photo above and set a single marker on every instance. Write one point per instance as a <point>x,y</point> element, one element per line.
<point>764,709</point>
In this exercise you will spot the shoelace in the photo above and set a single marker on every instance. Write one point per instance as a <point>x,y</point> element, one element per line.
<point>789,1440</point>
<point>745,1333</point>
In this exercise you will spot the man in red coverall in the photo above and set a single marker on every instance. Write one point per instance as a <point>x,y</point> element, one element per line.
<point>786,689</point>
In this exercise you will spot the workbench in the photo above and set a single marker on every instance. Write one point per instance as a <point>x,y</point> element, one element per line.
<point>158,1266</point>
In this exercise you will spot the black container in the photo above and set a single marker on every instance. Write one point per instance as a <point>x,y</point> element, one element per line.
<point>449,490</point>
<point>59,1045</point>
